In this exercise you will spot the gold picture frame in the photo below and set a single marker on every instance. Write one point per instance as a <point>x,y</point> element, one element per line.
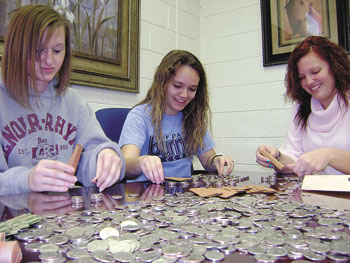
<point>116,69</point>
<point>285,23</point>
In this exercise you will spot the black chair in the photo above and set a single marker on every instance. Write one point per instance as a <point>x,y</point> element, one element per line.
<point>112,121</point>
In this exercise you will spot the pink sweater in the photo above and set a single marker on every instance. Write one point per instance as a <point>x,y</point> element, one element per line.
<point>326,128</point>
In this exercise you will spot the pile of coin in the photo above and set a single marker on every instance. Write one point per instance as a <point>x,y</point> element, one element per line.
<point>183,227</point>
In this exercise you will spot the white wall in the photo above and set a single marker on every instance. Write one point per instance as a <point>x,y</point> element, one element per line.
<point>246,98</point>
<point>165,25</point>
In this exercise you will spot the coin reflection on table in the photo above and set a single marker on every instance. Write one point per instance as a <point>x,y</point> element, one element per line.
<point>171,184</point>
<point>77,201</point>
<point>117,197</point>
<point>184,184</point>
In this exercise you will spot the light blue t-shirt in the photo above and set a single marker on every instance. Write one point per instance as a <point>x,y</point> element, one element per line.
<point>138,130</point>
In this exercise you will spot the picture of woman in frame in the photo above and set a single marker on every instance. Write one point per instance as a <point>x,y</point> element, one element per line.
<point>302,18</point>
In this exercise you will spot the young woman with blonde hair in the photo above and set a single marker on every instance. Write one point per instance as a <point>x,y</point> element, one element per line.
<point>41,120</point>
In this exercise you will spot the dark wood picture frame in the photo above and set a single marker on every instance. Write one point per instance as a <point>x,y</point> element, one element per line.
<point>122,71</point>
<point>341,18</point>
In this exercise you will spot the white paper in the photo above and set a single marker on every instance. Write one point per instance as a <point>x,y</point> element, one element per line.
<point>326,183</point>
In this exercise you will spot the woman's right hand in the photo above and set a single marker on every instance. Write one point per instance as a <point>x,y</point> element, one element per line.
<point>152,168</point>
<point>262,160</point>
<point>52,176</point>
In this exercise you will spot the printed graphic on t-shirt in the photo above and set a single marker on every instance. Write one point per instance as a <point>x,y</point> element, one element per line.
<point>174,148</point>
<point>44,151</point>
<point>16,131</point>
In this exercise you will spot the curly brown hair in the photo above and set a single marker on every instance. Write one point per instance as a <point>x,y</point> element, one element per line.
<point>339,65</point>
<point>196,115</point>
<point>30,27</point>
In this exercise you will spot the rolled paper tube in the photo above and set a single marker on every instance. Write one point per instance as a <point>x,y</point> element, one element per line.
<point>273,160</point>
<point>10,252</point>
<point>74,159</point>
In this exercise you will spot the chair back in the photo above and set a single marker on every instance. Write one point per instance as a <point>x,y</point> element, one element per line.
<point>112,121</point>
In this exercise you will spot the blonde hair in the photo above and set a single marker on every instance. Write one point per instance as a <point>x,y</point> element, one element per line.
<point>30,27</point>
<point>196,115</point>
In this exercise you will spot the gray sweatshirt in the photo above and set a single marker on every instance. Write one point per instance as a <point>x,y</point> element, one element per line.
<point>50,131</point>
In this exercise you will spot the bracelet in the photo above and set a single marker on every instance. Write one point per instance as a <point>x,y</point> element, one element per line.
<point>279,156</point>
<point>216,155</point>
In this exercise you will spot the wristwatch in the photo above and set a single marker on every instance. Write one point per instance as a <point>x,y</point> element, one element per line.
<point>216,155</point>
<point>279,156</point>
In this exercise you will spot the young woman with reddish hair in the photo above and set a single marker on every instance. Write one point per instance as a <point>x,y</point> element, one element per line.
<point>318,137</point>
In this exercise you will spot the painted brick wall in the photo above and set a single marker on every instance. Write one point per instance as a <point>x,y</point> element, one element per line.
<point>246,98</point>
<point>164,25</point>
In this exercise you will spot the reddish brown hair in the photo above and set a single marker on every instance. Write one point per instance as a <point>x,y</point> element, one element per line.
<point>339,65</point>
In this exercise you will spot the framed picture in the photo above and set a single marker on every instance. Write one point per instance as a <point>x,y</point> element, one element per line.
<point>286,23</point>
<point>105,40</point>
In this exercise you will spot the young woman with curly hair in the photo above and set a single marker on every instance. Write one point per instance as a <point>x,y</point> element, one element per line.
<point>318,138</point>
<point>163,132</point>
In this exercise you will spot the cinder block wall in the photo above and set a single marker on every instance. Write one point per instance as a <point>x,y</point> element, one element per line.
<point>164,25</point>
<point>246,98</point>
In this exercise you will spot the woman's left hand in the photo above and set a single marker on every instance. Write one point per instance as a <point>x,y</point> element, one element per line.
<point>221,162</point>
<point>109,166</point>
<point>311,162</point>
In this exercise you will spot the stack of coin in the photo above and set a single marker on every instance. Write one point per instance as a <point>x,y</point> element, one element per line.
<point>117,197</point>
<point>171,184</point>
<point>207,183</point>
<point>219,184</point>
<point>231,183</point>
<point>133,195</point>
<point>196,184</point>
<point>77,201</point>
<point>96,200</point>
<point>49,257</point>
<point>184,184</point>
